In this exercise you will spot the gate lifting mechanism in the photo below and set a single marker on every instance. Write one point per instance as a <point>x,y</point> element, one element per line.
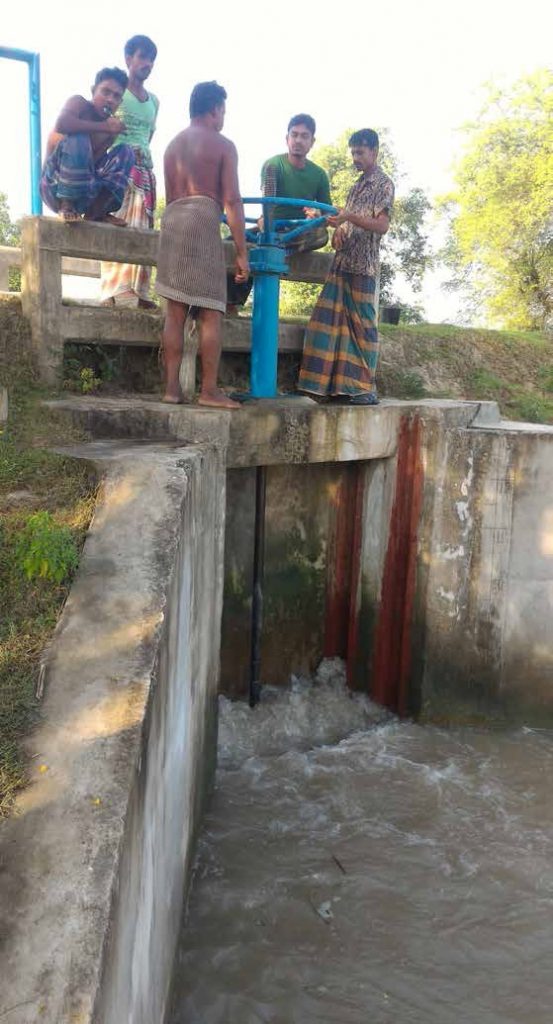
<point>267,264</point>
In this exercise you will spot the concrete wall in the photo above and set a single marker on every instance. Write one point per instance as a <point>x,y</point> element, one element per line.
<point>488,548</point>
<point>430,570</point>
<point>96,860</point>
<point>302,587</point>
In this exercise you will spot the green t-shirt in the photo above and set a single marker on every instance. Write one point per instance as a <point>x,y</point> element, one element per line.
<point>309,183</point>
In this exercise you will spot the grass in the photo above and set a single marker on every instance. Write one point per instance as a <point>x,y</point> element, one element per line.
<point>513,368</point>
<point>31,479</point>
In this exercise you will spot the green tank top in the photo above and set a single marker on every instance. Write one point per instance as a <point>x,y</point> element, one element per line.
<point>140,121</point>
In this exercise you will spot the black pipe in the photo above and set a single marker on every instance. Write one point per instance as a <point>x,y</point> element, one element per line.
<point>257,585</point>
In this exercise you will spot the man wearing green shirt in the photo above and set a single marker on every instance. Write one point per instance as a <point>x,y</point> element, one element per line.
<point>293,176</point>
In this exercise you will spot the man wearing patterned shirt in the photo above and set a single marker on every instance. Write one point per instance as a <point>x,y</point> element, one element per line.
<point>341,342</point>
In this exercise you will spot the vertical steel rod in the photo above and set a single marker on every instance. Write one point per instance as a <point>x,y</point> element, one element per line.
<point>33,62</point>
<point>257,588</point>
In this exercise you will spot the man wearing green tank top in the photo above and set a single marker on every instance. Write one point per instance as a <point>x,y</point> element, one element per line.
<point>128,284</point>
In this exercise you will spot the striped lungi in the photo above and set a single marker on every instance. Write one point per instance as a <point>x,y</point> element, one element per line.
<point>191,264</point>
<point>340,349</point>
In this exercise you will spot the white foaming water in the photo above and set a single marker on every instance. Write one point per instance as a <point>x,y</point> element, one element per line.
<point>357,869</point>
<point>310,713</point>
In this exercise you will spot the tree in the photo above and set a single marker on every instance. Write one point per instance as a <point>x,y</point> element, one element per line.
<point>404,248</point>
<point>10,234</point>
<point>501,210</point>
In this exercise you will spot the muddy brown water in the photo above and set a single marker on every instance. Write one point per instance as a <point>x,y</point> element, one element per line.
<point>354,868</point>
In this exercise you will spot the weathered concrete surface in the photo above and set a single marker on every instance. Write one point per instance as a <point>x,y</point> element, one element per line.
<point>95,863</point>
<point>303,506</point>
<point>340,561</point>
<point>268,432</point>
<point>487,602</point>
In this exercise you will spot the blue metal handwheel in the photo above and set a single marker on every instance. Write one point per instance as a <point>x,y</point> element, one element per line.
<point>268,262</point>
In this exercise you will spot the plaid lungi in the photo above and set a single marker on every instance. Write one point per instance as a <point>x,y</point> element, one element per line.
<point>137,210</point>
<point>340,350</point>
<point>71,173</point>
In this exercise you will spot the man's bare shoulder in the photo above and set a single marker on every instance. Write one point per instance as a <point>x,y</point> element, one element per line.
<point>228,146</point>
<point>77,104</point>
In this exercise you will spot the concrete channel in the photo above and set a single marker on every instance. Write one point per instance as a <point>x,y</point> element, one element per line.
<point>414,540</point>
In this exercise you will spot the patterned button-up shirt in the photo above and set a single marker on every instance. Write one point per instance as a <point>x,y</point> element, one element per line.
<point>372,194</point>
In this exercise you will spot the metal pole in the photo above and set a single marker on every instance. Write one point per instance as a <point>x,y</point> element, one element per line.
<point>257,589</point>
<point>33,61</point>
<point>34,130</point>
<point>264,355</point>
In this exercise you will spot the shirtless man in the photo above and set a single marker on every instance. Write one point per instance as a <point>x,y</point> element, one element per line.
<point>79,175</point>
<point>201,179</point>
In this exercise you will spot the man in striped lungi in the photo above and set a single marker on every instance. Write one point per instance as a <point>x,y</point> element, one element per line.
<point>341,342</point>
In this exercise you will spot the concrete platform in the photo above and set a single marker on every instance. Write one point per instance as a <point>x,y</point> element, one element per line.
<point>270,431</point>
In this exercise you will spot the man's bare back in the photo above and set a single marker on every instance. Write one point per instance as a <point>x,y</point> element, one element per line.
<point>195,164</point>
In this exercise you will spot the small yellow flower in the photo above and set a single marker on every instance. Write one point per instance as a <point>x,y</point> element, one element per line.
<point>42,768</point>
<point>96,801</point>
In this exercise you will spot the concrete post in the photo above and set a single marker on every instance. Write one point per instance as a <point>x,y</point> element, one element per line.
<point>41,299</point>
<point>188,364</point>
<point>4,275</point>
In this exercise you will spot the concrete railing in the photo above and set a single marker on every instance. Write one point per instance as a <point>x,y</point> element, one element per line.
<point>50,248</point>
<point>11,258</point>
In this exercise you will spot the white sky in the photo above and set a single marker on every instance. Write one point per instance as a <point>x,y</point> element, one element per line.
<point>414,67</point>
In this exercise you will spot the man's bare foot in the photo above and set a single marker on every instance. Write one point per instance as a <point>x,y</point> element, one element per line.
<point>118,222</point>
<point>217,399</point>
<point>68,213</point>
<point>173,397</point>
<point>107,218</point>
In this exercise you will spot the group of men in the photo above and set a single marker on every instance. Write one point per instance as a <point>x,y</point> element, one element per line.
<point>89,172</point>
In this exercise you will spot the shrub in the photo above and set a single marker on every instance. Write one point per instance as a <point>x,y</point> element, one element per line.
<point>45,549</point>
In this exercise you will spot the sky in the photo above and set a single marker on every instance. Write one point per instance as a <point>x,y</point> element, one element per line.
<point>417,69</point>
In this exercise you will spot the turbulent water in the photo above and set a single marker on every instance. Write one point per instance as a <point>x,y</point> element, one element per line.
<point>358,870</point>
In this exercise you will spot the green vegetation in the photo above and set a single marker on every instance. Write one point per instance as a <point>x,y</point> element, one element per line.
<point>10,234</point>
<point>501,242</point>
<point>45,549</point>
<point>512,368</point>
<point>46,503</point>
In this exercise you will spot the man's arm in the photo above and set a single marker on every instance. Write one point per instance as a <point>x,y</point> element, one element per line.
<point>323,194</point>
<point>170,172</point>
<point>379,224</point>
<point>234,209</point>
<point>156,104</point>
<point>70,122</point>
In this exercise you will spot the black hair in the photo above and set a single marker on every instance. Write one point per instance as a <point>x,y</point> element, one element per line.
<point>364,137</point>
<point>205,96</point>
<point>142,43</point>
<point>305,119</point>
<point>118,76</point>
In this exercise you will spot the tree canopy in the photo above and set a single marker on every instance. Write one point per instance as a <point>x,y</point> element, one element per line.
<point>501,209</point>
